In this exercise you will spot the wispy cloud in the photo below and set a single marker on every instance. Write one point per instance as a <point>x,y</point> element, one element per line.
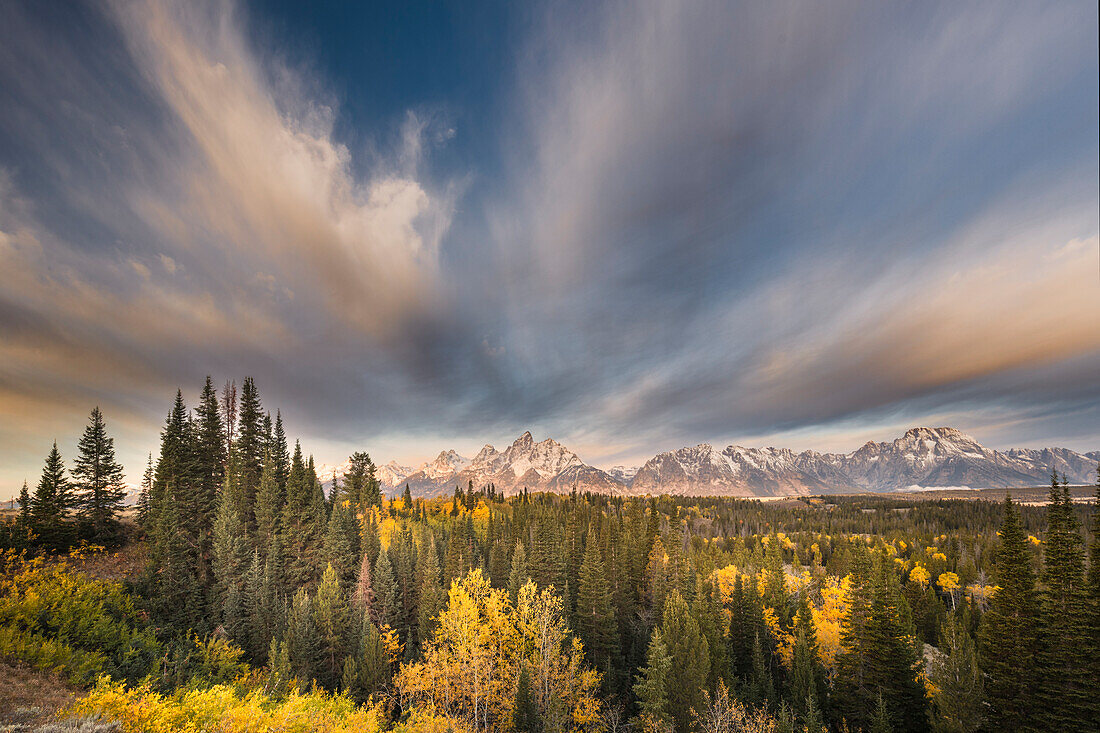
<point>711,221</point>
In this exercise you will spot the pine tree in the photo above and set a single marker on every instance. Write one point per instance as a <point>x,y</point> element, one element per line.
<point>280,454</point>
<point>301,638</point>
<point>387,607</point>
<point>525,716</point>
<point>808,674</point>
<point>249,447</point>
<point>97,479</point>
<point>596,624</point>
<point>1009,632</point>
<point>330,616</point>
<point>52,503</point>
<point>518,577</point>
<point>1068,694</point>
<point>144,497</point>
<point>651,688</point>
<point>762,689</point>
<point>880,655</point>
<point>367,671</point>
<point>230,548</point>
<point>269,501</point>
<point>957,680</point>
<point>687,647</point>
<point>210,462</point>
<point>432,596</point>
<point>299,525</point>
<point>342,543</point>
<point>24,503</point>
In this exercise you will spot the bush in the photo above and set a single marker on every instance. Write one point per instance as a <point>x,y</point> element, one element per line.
<point>54,618</point>
<point>224,708</point>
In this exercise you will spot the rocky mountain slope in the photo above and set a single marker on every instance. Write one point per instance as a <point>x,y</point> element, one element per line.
<point>542,466</point>
<point>923,457</point>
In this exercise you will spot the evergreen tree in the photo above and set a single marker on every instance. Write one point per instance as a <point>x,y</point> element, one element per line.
<point>432,597</point>
<point>280,454</point>
<point>97,479</point>
<point>52,503</point>
<point>25,503</point>
<point>301,638</point>
<point>387,606</point>
<point>652,686</point>
<point>249,447</point>
<point>957,681</point>
<point>762,689</point>
<point>144,497</point>
<point>230,548</point>
<point>210,461</point>
<point>687,647</point>
<point>342,543</point>
<point>269,502</point>
<point>330,616</point>
<point>1069,695</point>
<point>1009,632</point>
<point>525,716</point>
<point>367,671</point>
<point>518,577</point>
<point>596,624</point>
<point>299,525</point>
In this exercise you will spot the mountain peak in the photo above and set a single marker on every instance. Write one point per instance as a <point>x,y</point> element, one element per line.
<point>524,440</point>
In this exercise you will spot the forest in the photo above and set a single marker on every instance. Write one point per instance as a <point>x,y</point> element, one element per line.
<point>264,601</point>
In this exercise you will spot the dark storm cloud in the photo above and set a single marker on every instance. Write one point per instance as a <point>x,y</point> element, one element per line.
<point>716,221</point>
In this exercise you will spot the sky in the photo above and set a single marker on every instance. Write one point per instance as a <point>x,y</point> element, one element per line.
<point>630,226</point>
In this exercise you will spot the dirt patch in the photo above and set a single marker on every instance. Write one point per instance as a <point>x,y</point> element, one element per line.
<point>30,697</point>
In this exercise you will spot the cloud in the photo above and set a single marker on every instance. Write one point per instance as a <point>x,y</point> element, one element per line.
<point>709,221</point>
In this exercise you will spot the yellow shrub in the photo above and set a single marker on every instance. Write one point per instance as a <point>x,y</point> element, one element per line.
<point>223,708</point>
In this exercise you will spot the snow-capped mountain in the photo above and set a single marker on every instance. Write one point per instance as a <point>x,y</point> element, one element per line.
<point>923,457</point>
<point>393,473</point>
<point>542,466</point>
<point>623,474</point>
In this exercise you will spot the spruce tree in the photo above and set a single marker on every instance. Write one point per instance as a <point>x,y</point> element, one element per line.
<point>52,503</point>
<point>280,454</point>
<point>596,624</point>
<point>388,605</point>
<point>301,638</point>
<point>518,577</point>
<point>432,597</point>
<point>330,616</point>
<point>652,686</point>
<point>1009,632</point>
<point>367,670</point>
<point>98,485</point>
<point>24,504</point>
<point>269,501</point>
<point>342,543</point>
<point>958,698</point>
<point>145,496</point>
<point>230,548</point>
<point>525,715</point>
<point>1068,693</point>
<point>249,447</point>
<point>299,525</point>
<point>210,462</point>
<point>687,647</point>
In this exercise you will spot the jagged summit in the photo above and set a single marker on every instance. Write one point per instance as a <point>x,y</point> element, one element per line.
<point>921,457</point>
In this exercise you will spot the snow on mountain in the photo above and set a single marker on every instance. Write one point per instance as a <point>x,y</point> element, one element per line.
<point>623,474</point>
<point>922,457</point>
<point>542,466</point>
<point>393,473</point>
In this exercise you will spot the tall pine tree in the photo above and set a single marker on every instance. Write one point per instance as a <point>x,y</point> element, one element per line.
<point>98,485</point>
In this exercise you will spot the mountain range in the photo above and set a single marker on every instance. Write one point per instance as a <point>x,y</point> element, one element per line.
<point>923,457</point>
